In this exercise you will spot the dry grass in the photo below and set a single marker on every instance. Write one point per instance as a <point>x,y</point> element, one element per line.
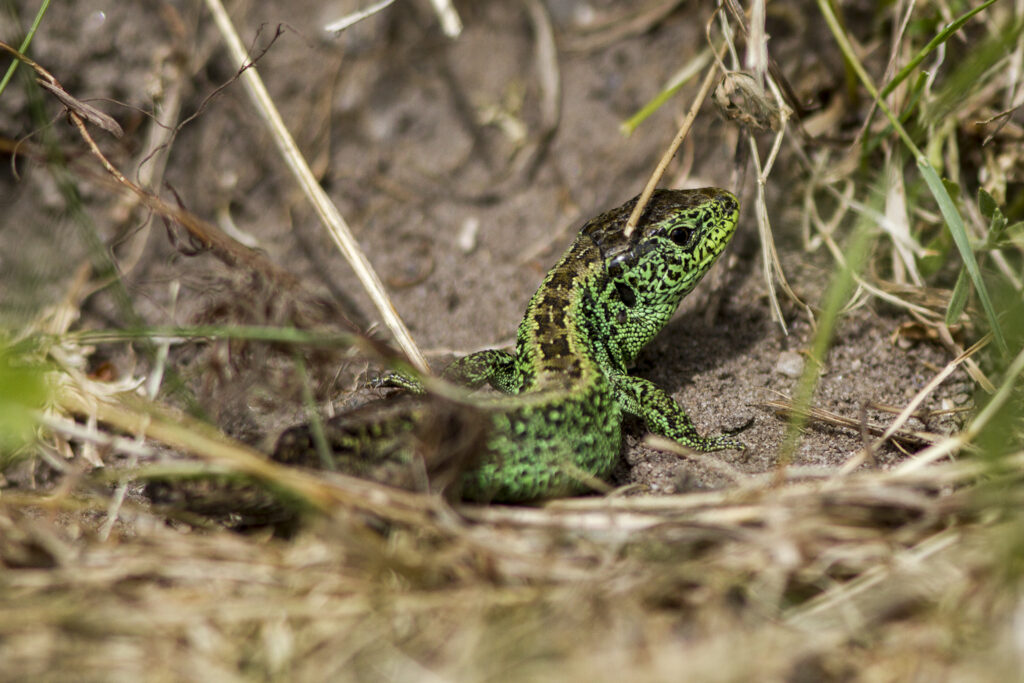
<point>796,575</point>
<point>891,576</point>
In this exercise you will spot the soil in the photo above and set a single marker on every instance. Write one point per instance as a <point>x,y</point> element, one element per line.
<point>420,141</point>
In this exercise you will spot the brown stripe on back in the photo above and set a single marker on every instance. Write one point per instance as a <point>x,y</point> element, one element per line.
<point>556,336</point>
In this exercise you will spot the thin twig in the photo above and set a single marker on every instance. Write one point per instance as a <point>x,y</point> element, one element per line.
<point>684,129</point>
<point>451,24</point>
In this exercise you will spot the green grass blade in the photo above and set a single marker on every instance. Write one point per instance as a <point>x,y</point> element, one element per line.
<point>838,293</point>
<point>955,223</point>
<point>939,39</point>
<point>676,82</point>
<point>23,48</point>
<point>23,390</point>
<point>958,300</point>
<point>950,214</point>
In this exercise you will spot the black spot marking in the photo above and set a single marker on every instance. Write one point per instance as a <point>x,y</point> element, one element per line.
<point>556,297</point>
<point>627,295</point>
<point>557,347</point>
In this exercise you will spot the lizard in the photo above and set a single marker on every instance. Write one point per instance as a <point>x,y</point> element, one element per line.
<point>565,391</point>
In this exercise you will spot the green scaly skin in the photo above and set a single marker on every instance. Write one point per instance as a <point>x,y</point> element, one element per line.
<point>567,382</point>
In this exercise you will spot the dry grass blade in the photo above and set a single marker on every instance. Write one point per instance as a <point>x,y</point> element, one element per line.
<point>861,456</point>
<point>979,423</point>
<point>353,18</point>
<point>451,23</point>
<point>914,437</point>
<point>194,437</point>
<point>924,572</point>
<point>87,112</point>
<point>742,98</point>
<point>332,219</point>
<point>74,105</point>
<point>670,151</point>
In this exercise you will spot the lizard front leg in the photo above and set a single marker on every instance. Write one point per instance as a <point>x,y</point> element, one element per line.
<point>663,416</point>
<point>493,366</point>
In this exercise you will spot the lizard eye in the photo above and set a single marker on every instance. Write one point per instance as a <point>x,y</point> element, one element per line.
<point>680,235</point>
<point>627,295</point>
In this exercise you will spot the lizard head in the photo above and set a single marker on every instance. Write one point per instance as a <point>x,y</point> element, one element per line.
<point>679,236</point>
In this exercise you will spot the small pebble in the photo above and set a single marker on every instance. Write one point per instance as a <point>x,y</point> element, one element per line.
<point>467,235</point>
<point>790,364</point>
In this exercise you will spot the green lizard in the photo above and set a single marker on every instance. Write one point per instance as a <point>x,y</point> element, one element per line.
<point>567,385</point>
